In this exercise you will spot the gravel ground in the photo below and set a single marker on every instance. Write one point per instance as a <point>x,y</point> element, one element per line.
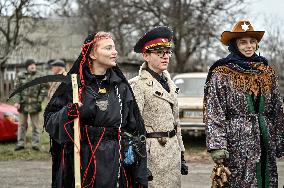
<point>199,175</point>
<point>25,174</point>
<point>37,174</point>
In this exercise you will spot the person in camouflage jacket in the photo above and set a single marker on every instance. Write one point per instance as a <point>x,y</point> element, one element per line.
<point>28,102</point>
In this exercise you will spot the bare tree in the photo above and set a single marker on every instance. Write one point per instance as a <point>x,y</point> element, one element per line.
<point>11,16</point>
<point>195,23</point>
<point>115,16</point>
<point>64,8</point>
<point>273,42</point>
<point>17,18</point>
<point>272,47</point>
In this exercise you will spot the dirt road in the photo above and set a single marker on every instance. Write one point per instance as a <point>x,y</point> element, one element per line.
<point>200,173</point>
<point>37,174</point>
<point>25,174</point>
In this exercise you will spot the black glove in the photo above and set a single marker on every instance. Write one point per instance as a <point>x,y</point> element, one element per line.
<point>86,111</point>
<point>72,110</point>
<point>150,176</point>
<point>184,167</point>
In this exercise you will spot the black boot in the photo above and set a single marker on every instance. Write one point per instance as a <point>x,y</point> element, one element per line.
<point>18,148</point>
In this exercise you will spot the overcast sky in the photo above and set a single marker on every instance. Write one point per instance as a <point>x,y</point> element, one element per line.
<point>258,10</point>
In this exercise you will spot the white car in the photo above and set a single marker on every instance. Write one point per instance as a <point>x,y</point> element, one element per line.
<point>190,99</point>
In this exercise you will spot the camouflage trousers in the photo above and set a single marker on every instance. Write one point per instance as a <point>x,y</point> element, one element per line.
<point>23,126</point>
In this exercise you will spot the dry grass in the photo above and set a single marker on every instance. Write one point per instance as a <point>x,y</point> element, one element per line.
<point>195,148</point>
<point>7,148</point>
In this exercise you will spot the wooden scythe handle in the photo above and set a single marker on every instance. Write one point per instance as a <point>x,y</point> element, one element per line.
<point>77,171</point>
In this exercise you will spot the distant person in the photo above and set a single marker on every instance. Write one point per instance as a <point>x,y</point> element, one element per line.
<point>28,103</point>
<point>156,95</point>
<point>57,67</point>
<point>243,113</point>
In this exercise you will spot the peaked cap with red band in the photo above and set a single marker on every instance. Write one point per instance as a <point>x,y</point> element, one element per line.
<point>157,38</point>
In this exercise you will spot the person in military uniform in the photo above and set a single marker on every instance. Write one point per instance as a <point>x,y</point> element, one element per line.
<point>242,111</point>
<point>28,103</point>
<point>57,67</point>
<point>156,95</point>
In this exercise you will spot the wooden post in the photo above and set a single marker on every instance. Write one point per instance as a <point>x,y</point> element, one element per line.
<point>2,92</point>
<point>77,171</point>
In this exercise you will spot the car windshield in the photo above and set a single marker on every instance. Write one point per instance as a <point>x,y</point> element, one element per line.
<point>190,87</point>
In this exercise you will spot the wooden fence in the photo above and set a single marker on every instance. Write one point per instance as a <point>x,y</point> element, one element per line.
<point>6,87</point>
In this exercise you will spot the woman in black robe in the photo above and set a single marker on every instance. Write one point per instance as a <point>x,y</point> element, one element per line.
<point>109,119</point>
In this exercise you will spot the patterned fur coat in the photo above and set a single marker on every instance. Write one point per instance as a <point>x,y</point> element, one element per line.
<point>155,105</point>
<point>249,127</point>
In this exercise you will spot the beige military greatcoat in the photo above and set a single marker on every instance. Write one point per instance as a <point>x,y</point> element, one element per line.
<point>159,110</point>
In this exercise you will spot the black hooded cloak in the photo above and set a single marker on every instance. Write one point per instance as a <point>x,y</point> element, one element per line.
<point>101,156</point>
